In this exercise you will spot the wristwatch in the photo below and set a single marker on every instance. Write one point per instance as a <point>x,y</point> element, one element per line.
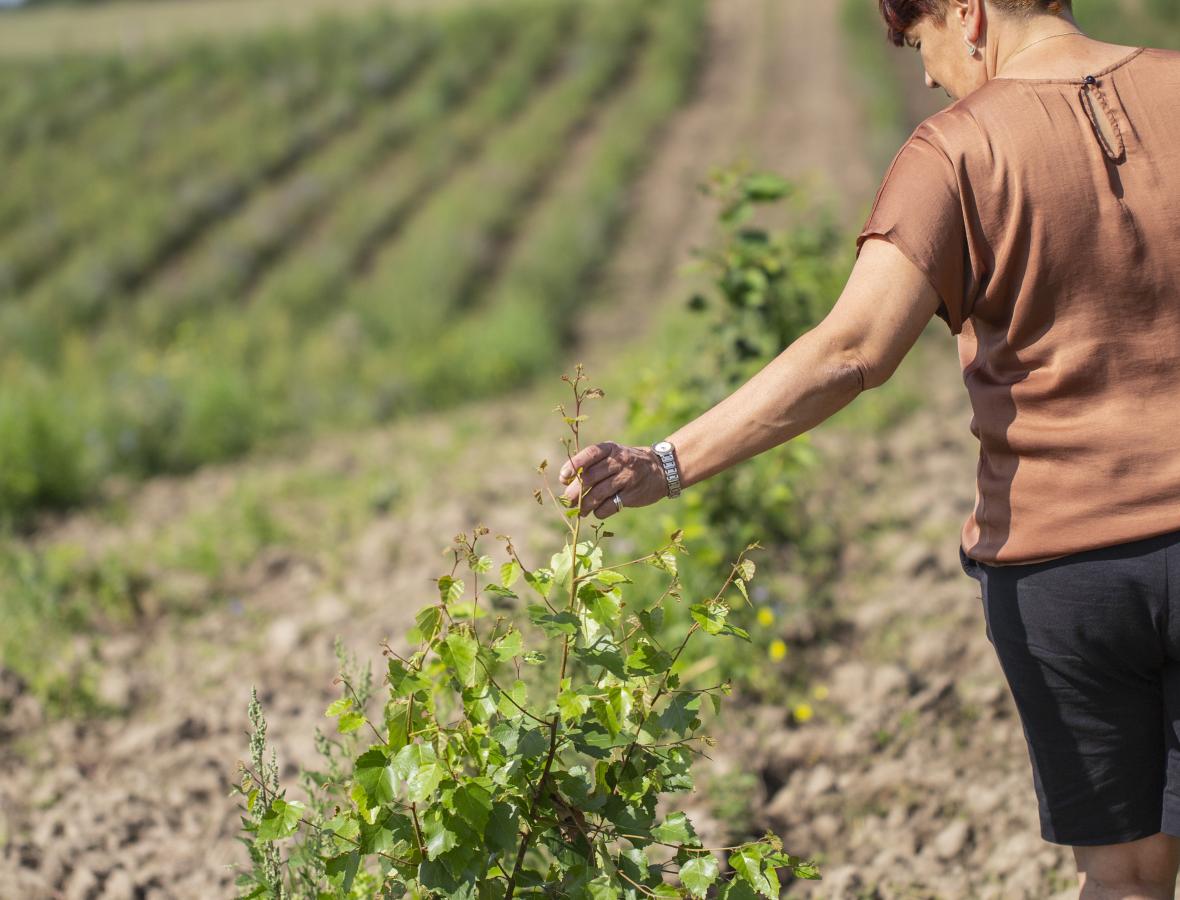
<point>667,454</point>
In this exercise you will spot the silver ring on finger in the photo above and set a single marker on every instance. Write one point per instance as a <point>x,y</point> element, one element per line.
<point>618,502</point>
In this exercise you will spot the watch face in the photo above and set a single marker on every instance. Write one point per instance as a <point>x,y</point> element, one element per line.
<point>663,447</point>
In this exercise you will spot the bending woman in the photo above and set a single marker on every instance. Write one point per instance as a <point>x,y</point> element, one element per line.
<point>1038,216</point>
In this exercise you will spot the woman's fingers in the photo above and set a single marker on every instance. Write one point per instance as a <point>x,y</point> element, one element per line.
<point>602,493</point>
<point>608,469</point>
<point>606,510</point>
<point>585,458</point>
<point>591,475</point>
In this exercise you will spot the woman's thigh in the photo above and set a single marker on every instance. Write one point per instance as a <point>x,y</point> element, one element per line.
<point>1083,644</point>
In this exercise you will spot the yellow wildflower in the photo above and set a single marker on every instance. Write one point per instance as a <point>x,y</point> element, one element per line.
<point>765,616</point>
<point>820,692</point>
<point>778,650</point>
<point>803,712</point>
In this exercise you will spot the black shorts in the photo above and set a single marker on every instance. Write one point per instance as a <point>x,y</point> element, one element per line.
<point>1091,650</point>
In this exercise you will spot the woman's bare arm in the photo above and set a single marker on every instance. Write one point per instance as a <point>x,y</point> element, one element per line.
<point>881,312</point>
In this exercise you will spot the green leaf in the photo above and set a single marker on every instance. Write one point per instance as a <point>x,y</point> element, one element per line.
<point>405,681</point>
<point>741,586</point>
<point>652,621</point>
<point>280,820</point>
<point>342,869</point>
<point>343,705</point>
<point>562,565</point>
<point>665,560</point>
<point>605,656</point>
<point>506,734</point>
<point>601,889</point>
<point>553,624</point>
<point>699,874</point>
<point>502,598</point>
<point>472,803</point>
<point>450,589</point>
<point>350,722</point>
<point>765,187</point>
<point>541,580</point>
<point>647,659</point>
<point>807,871</point>
<point>509,646</point>
<point>681,715</point>
<point>367,811</point>
<point>426,625</point>
<point>609,577</point>
<point>375,775</point>
<point>467,610</point>
<point>509,572</point>
<point>533,743</point>
<point>710,617</point>
<point>481,565</point>
<point>343,829</point>
<point>459,651</point>
<point>676,829</point>
<point>502,828</point>
<point>736,631</point>
<point>801,868</point>
<point>519,694</point>
<point>439,838</point>
<point>607,715</point>
<point>572,705</point>
<point>736,890</point>
<point>602,608</point>
<point>746,569</point>
<point>418,768</point>
<point>748,862</point>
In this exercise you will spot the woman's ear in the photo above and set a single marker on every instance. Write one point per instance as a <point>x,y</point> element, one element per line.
<point>972,15</point>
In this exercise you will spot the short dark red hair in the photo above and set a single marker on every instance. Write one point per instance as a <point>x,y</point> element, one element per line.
<point>899,15</point>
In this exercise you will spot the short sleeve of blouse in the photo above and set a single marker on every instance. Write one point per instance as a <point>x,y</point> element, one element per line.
<point>918,209</point>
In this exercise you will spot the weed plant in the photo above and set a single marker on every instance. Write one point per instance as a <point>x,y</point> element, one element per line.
<point>768,287</point>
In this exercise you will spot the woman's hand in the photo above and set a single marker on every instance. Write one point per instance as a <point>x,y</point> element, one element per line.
<point>634,473</point>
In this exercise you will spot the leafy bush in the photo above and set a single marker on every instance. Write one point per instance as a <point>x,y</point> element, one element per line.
<point>512,759</point>
<point>768,288</point>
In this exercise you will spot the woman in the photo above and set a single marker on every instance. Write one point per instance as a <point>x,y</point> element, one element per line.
<point>1038,216</point>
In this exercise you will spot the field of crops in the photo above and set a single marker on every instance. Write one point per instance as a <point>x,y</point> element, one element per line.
<point>203,250</point>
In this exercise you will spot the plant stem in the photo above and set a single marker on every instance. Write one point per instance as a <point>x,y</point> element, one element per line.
<point>532,814</point>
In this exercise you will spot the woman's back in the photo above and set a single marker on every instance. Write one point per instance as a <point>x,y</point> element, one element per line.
<point>1044,210</point>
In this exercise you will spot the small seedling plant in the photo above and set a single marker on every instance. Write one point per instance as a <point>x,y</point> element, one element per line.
<point>525,744</point>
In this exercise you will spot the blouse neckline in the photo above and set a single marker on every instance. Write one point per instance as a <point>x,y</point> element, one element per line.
<point>1079,80</point>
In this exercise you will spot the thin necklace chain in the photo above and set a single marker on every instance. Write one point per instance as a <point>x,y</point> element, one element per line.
<point>1034,43</point>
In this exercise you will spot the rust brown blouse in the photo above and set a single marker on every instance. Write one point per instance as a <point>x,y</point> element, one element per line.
<point>1053,240</point>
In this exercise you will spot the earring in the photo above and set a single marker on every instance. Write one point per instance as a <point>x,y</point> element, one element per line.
<point>971,49</point>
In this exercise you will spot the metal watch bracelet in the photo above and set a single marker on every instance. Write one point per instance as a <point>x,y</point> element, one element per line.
<point>667,456</point>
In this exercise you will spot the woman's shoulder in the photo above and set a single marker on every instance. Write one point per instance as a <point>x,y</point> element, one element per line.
<point>970,121</point>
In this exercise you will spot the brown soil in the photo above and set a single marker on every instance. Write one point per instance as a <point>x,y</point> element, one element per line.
<point>911,781</point>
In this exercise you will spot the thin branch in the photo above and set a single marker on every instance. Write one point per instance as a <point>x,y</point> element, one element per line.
<point>532,813</point>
